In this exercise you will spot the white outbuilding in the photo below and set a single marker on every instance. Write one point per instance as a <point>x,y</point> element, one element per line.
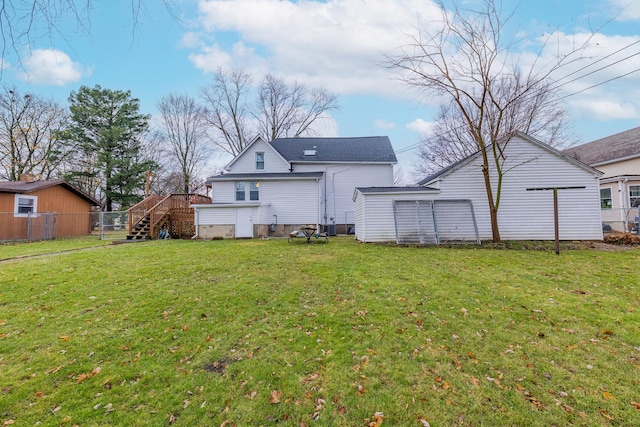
<point>452,205</point>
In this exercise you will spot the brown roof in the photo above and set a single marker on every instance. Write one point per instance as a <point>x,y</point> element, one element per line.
<point>623,145</point>
<point>30,186</point>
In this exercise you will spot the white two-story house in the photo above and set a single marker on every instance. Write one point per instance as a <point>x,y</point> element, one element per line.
<point>273,187</point>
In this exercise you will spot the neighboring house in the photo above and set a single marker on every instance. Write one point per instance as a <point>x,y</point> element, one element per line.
<point>523,214</point>
<point>273,187</point>
<point>27,202</point>
<point>618,157</point>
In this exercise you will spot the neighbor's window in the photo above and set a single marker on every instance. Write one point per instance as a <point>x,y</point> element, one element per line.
<point>634,196</point>
<point>254,191</point>
<point>605,198</point>
<point>259,161</point>
<point>240,191</point>
<point>25,205</point>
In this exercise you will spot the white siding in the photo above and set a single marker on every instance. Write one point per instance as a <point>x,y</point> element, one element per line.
<point>376,223</point>
<point>223,192</point>
<point>246,163</point>
<point>214,215</point>
<point>522,214</point>
<point>294,202</point>
<point>340,184</point>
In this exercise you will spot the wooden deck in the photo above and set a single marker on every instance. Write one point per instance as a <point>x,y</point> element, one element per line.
<point>172,212</point>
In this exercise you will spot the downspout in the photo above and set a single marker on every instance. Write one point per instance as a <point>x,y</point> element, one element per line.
<point>319,203</point>
<point>622,191</point>
<point>196,220</point>
<point>325,194</point>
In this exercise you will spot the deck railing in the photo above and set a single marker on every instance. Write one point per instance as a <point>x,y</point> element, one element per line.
<point>173,205</point>
<point>138,211</point>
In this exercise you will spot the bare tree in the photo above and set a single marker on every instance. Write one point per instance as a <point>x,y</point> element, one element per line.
<point>30,136</point>
<point>487,95</point>
<point>279,110</point>
<point>286,111</point>
<point>228,111</point>
<point>183,127</point>
<point>21,21</point>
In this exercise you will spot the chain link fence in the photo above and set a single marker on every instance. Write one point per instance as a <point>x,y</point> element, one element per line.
<point>52,225</point>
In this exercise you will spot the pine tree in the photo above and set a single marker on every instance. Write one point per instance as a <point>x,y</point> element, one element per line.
<point>108,127</point>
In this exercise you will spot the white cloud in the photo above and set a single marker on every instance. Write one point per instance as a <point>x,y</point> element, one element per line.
<point>625,10</point>
<point>337,44</point>
<point>421,127</point>
<point>52,67</point>
<point>601,83</point>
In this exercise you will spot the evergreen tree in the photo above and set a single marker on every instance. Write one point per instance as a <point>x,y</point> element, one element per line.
<point>108,128</point>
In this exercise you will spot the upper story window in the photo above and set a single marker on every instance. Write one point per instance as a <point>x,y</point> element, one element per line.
<point>253,189</point>
<point>634,196</point>
<point>259,161</point>
<point>605,198</point>
<point>25,205</point>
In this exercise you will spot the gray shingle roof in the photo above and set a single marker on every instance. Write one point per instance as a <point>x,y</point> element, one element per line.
<point>369,149</point>
<point>30,186</point>
<point>620,146</point>
<point>411,189</point>
<point>264,176</point>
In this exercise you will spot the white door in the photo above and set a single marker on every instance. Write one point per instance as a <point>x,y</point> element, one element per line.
<point>244,223</point>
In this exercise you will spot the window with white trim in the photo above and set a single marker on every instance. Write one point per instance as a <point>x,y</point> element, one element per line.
<point>260,161</point>
<point>240,191</point>
<point>253,188</point>
<point>606,202</point>
<point>25,205</point>
<point>634,196</point>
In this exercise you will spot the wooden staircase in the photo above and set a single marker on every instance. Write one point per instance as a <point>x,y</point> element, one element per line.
<point>148,217</point>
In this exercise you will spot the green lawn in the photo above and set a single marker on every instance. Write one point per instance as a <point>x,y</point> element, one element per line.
<point>25,249</point>
<point>261,332</point>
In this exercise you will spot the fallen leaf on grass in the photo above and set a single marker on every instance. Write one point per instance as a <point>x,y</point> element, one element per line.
<point>65,338</point>
<point>424,422</point>
<point>376,420</point>
<point>608,395</point>
<point>636,405</point>
<point>494,380</point>
<point>276,396</point>
<point>8,423</point>
<point>54,370</point>
<point>606,414</point>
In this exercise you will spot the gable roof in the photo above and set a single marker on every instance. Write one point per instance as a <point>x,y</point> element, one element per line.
<point>368,149</point>
<point>446,171</point>
<point>247,148</point>
<point>22,187</point>
<point>621,146</point>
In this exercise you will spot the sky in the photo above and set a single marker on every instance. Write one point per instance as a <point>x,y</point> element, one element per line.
<point>335,44</point>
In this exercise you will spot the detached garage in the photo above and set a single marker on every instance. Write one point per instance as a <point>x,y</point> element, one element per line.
<point>523,214</point>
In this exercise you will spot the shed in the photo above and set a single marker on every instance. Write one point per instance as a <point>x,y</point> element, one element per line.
<point>522,215</point>
<point>26,202</point>
<point>374,210</point>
